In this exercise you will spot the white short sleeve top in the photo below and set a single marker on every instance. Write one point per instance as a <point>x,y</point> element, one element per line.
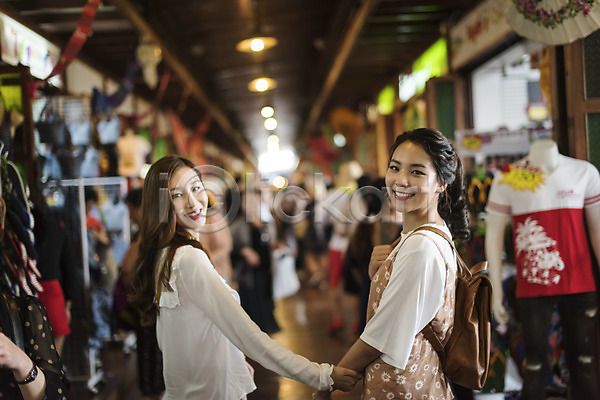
<point>413,295</point>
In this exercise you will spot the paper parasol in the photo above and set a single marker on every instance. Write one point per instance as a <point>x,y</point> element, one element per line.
<point>553,22</point>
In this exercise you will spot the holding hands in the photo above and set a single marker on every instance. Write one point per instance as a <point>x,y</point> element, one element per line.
<point>344,379</point>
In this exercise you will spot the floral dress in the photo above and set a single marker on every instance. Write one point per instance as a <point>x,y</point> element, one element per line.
<point>422,378</point>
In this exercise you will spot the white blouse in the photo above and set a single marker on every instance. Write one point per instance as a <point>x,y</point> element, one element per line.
<point>202,331</point>
<point>413,296</point>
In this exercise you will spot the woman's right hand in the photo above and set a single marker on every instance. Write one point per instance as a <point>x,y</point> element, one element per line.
<point>378,256</point>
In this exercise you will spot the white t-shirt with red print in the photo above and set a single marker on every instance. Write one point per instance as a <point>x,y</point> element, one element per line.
<point>550,240</point>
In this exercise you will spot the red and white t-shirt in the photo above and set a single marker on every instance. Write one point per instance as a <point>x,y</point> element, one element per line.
<point>550,240</point>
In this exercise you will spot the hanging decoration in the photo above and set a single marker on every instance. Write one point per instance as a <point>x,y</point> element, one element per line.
<point>195,143</point>
<point>183,101</point>
<point>189,144</point>
<point>78,39</point>
<point>149,55</point>
<point>162,88</point>
<point>322,153</point>
<point>180,133</point>
<point>105,104</point>
<point>552,22</point>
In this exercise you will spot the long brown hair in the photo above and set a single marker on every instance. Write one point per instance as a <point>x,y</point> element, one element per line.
<point>158,230</point>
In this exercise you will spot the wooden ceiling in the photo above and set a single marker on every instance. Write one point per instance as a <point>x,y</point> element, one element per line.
<point>330,53</point>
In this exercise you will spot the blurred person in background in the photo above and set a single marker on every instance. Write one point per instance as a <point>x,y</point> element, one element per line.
<point>344,215</point>
<point>149,356</point>
<point>103,272</point>
<point>60,276</point>
<point>218,240</point>
<point>251,259</point>
<point>313,234</point>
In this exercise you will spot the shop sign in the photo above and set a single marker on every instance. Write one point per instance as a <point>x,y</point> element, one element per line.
<point>385,100</point>
<point>478,31</point>
<point>432,63</point>
<point>20,45</point>
<point>470,143</point>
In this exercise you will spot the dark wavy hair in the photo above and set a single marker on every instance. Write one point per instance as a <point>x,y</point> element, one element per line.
<point>158,230</point>
<point>452,204</point>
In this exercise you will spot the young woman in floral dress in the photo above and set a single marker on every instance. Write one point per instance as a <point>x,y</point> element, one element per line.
<point>413,282</point>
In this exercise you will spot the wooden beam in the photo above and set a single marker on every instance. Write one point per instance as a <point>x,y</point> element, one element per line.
<point>186,76</point>
<point>338,64</point>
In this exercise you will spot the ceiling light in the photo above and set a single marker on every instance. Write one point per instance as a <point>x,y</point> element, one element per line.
<point>262,84</point>
<point>270,123</point>
<point>256,43</point>
<point>267,111</point>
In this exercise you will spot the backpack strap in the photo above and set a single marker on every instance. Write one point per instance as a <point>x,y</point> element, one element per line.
<point>427,331</point>
<point>395,242</point>
<point>462,267</point>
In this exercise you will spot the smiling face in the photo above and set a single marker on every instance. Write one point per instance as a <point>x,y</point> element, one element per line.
<point>189,199</point>
<point>412,185</point>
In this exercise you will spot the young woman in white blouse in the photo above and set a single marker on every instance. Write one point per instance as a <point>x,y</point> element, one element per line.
<point>413,283</point>
<point>202,330</point>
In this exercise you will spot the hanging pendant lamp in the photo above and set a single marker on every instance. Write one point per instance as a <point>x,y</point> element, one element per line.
<point>257,41</point>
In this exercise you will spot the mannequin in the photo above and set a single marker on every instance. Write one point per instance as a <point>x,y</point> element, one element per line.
<point>132,150</point>
<point>549,196</point>
<point>543,154</point>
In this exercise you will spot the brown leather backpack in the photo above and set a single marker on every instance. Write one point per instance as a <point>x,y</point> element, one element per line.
<point>465,352</point>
